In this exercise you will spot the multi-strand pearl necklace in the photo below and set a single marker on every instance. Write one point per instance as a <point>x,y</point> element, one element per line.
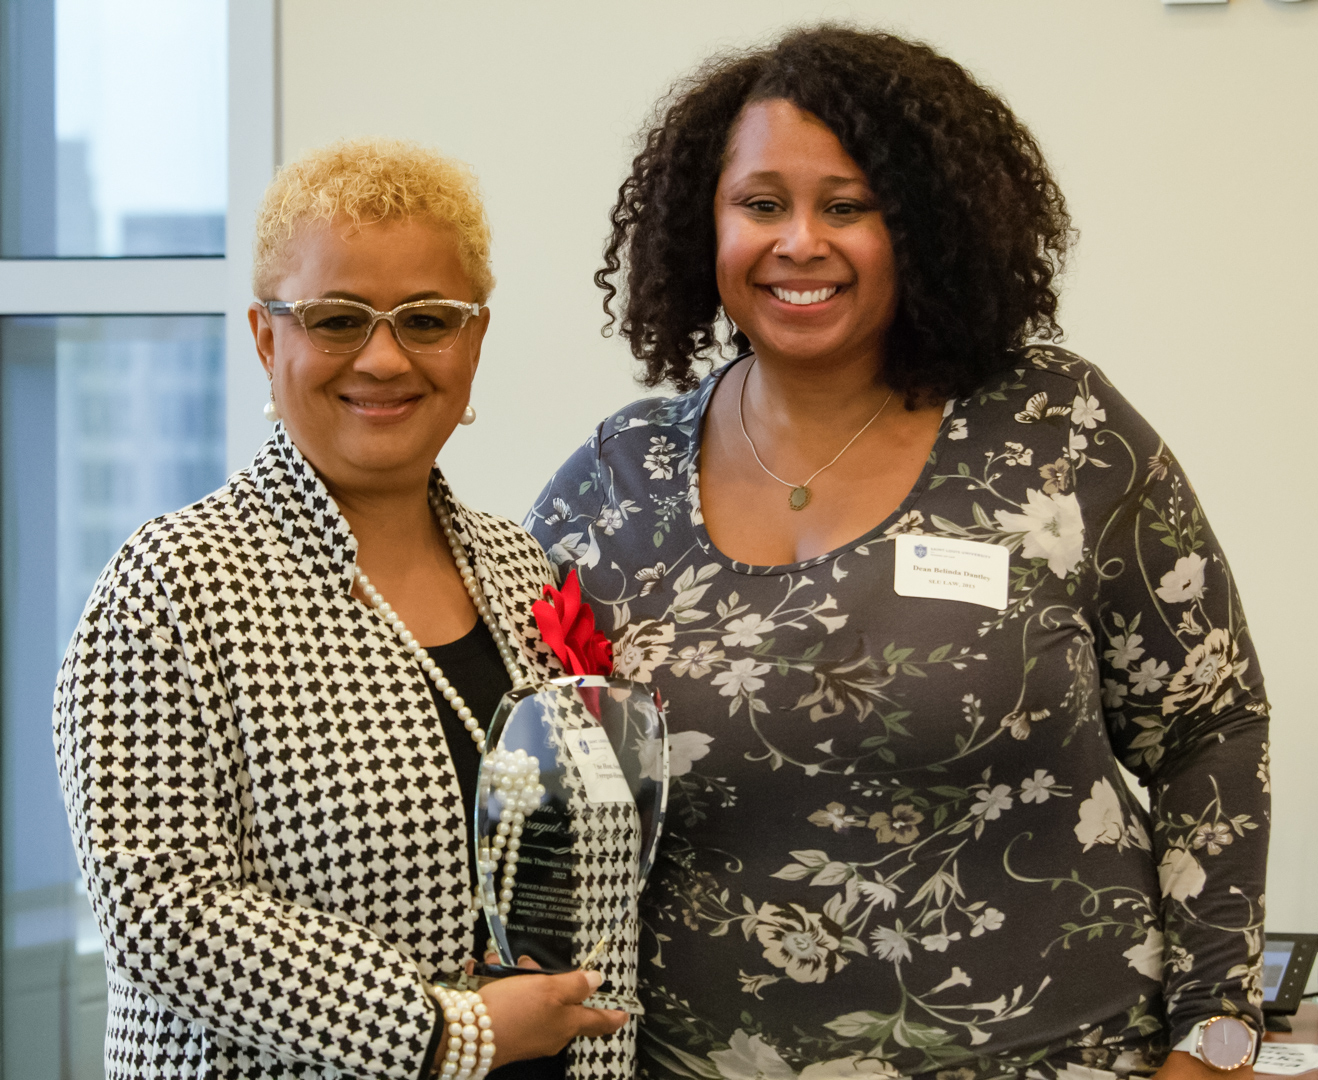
<point>482,605</point>
<point>514,776</point>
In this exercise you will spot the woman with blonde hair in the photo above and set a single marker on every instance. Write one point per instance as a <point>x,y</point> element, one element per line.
<point>269,719</point>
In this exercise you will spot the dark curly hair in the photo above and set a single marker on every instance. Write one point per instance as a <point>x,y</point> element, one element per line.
<point>978,225</point>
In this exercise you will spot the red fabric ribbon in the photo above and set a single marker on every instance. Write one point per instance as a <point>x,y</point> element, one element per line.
<point>568,627</point>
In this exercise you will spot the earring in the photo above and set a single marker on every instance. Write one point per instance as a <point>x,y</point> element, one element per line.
<point>271,410</point>
<point>468,416</point>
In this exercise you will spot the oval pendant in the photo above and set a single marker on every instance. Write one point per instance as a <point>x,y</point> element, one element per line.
<point>799,498</point>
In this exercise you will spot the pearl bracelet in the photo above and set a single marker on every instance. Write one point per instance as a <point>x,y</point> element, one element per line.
<point>470,1036</point>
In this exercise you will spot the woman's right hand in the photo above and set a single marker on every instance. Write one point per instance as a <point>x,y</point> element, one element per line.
<point>537,1015</point>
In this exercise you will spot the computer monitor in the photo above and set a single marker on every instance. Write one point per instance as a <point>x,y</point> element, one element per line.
<point>1287,960</point>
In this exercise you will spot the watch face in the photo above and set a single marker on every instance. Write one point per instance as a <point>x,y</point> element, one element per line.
<point>1226,1043</point>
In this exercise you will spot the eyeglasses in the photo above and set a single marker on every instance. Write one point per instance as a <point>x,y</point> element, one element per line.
<point>344,326</point>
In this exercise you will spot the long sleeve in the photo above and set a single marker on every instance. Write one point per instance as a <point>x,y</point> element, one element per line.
<point>1184,703</point>
<point>151,766</point>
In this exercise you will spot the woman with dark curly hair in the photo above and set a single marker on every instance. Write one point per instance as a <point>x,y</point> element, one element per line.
<point>915,582</point>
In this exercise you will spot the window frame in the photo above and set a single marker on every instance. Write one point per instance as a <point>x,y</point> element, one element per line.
<point>197,285</point>
<point>208,285</point>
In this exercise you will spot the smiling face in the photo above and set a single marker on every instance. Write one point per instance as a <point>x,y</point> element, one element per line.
<point>805,264</point>
<point>377,418</point>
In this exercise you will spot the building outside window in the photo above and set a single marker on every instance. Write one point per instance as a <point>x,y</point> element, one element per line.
<point>114,136</point>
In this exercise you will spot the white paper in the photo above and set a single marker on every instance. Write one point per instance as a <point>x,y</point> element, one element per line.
<point>939,568</point>
<point>598,765</point>
<point>1286,1059</point>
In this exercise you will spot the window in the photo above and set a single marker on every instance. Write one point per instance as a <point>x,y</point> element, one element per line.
<point>106,421</point>
<point>114,122</point>
<point>134,134</point>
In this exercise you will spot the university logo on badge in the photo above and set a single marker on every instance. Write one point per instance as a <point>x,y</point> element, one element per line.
<point>584,746</point>
<point>921,551</point>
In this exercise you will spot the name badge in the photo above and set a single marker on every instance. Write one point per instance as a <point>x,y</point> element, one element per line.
<point>944,569</point>
<point>598,765</point>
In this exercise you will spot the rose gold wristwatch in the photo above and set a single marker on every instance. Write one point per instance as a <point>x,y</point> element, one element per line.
<point>1221,1042</point>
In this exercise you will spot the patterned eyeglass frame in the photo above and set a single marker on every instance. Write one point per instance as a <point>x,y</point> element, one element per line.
<point>297,308</point>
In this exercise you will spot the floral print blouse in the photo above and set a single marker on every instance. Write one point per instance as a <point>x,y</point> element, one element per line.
<point>898,841</point>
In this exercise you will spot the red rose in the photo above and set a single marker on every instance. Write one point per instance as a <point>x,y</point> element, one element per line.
<point>568,627</point>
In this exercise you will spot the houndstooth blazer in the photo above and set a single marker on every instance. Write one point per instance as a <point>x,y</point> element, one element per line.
<point>262,800</point>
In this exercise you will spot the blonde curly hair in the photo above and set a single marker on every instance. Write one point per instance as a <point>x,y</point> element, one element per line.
<point>367,180</point>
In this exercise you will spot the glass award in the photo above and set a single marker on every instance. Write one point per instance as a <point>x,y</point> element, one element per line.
<point>569,809</point>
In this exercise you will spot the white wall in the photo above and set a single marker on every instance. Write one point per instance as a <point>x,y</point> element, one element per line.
<point>1185,138</point>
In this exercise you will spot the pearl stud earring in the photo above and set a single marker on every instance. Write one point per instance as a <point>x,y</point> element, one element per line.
<point>468,416</point>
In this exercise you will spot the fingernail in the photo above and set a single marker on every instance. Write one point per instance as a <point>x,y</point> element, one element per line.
<point>593,979</point>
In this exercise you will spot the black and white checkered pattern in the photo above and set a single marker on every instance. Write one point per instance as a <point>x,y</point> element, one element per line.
<point>260,792</point>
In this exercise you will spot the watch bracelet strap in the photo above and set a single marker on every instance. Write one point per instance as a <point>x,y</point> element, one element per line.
<point>1191,1041</point>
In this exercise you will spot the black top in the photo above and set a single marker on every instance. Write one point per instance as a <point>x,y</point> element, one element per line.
<point>472,664</point>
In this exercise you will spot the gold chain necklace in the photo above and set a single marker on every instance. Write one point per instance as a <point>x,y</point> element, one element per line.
<point>801,494</point>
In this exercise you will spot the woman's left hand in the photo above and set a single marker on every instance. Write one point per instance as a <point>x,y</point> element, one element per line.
<point>1181,1065</point>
